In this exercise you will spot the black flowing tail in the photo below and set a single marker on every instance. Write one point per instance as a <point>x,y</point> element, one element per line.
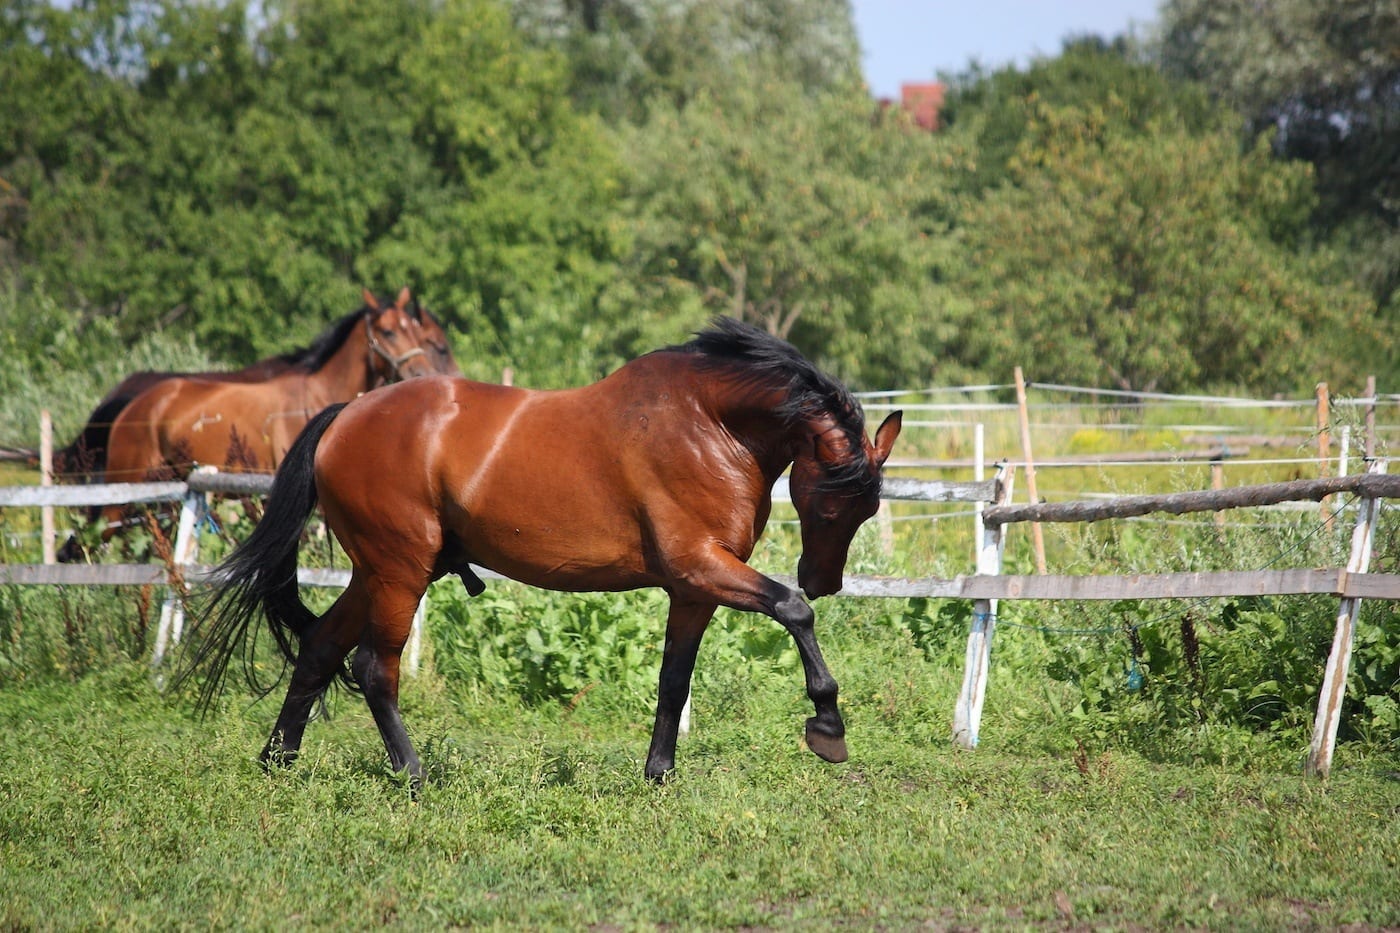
<point>260,576</point>
<point>85,460</point>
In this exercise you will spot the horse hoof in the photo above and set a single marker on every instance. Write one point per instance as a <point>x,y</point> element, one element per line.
<point>827,747</point>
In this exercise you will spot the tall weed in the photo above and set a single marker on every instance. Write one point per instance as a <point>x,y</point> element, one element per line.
<point>1212,679</point>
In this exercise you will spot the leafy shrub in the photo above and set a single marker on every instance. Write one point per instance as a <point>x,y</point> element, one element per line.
<point>1091,441</point>
<point>546,647</point>
<point>64,633</point>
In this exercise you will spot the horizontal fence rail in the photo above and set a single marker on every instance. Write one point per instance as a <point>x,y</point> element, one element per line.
<point>1367,485</point>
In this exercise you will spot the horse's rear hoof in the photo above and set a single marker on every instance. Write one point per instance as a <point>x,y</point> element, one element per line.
<point>657,772</point>
<point>826,747</point>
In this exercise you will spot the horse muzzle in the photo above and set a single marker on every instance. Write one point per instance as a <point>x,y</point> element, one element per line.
<point>815,584</point>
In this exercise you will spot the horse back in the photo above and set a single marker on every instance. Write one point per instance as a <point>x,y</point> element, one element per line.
<point>183,421</point>
<point>134,449</point>
<point>582,488</point>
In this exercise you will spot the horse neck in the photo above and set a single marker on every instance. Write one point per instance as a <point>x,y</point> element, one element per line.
<point>347,373</point>
<point>753,418</point>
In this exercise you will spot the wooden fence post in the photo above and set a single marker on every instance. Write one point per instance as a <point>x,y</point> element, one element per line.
<point>1217,482</point>
<point>172,611</point>
<point>979,473</point>
<point>1370,417</point>
<point>967,716</point>
<point>1334,682</point>
<point>415,636</point>
<point>1037,534</point>
<point>1324,447</point>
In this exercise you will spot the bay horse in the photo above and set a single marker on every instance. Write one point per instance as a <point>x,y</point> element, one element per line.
<point>658,475</point>
<point>180,422</point>
<point>85,459</point>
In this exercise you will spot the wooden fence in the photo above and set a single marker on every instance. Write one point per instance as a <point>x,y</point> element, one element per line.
<point>985,587</point>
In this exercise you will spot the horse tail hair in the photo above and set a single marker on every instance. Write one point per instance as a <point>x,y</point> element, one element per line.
<point>86,457</point>
<point>260,576</point>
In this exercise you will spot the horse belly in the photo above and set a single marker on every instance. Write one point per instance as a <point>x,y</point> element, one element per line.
<point>559,537</point>
<point>532,497</point>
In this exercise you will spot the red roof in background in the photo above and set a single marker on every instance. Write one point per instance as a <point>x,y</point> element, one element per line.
<point>923,102</point>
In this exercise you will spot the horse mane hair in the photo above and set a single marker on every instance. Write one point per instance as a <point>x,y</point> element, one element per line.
<point>314,355</point>
<point>758,356</point>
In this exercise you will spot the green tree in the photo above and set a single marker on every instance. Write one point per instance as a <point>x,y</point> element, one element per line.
<point>1322,79</point>
<point>64,111</point>
<point>522,236</point>
<point>627,56</point>
<point>239,179</point>
<point>993,113</point>
<point>1151,257</point>
<point>809,215</point>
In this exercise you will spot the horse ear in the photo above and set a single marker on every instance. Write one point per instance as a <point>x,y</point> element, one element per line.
<point>371,302</point>
<point>415,310</point>
<point>402,301</point>
<point>885,436</point>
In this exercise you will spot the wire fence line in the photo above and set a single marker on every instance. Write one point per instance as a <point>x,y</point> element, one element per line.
<point>1223,401</point>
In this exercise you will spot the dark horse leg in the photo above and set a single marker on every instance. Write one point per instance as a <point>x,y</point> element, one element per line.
<point>730,582</point>
<point>685,625</point>
<point>826,732</point>
<point>378,621</point>
<point>319,659</point>
<point>376,670</point>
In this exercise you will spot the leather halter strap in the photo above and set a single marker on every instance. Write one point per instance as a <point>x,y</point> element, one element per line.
<point>395,362</point>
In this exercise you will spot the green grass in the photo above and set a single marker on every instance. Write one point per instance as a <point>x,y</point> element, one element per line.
<point>118,809</point>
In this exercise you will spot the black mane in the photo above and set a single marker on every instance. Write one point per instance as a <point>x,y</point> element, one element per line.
<point>313,356</point>
<point>763,358</point>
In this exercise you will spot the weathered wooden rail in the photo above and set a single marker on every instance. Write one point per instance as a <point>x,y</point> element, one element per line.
<point>1367,485</point>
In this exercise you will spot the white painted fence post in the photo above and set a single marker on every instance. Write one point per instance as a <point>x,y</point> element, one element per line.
<point>1334,682</point>
<point>967,717</point>
<point>683,728</point>
<point>979,473</point>
<point>415,634</point>
<point>172,611</point>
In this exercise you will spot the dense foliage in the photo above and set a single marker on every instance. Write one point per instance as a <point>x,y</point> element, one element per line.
<point>570,184</point>
<point>1321,81</point>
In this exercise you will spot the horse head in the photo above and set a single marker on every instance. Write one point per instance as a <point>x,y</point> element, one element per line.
<point>435,344</point>
<point>401,343</point>
<point>835,486</point>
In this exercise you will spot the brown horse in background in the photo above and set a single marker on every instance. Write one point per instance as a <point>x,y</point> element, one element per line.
<point>85,459</point>
<point>181,422</point>
<point>659,475</point>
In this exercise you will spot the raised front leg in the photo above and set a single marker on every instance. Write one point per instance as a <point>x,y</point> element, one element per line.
<point>730,582</point>
<point>826,732</point>
<point>685,626</point>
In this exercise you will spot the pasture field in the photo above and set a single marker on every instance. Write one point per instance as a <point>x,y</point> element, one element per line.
<point>118,809</point>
